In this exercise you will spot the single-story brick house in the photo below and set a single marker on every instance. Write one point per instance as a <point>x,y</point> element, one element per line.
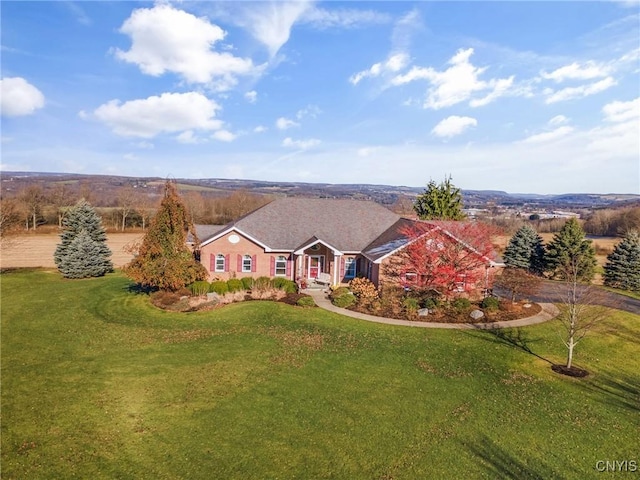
<point>307,238</point>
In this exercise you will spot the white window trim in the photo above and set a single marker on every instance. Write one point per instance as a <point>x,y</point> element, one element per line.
<point>350,261</point>
<point>246,269</point>
<point>219,257</point>
<point>284,268</point>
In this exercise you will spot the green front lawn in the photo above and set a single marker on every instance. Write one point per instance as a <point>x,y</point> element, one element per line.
<point>96,383</point>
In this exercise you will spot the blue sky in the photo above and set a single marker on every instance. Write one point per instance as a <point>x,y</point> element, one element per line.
<point>519,96</point>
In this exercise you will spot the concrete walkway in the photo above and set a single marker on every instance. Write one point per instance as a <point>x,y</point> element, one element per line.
<point>549,311</point>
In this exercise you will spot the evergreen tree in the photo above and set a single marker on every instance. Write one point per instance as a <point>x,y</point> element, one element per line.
<point>163,259</point>
<point>622,269</point>
<point>82,220</point>
<point>570,255</point>
<point>525,250</point>
<point>439,202</point>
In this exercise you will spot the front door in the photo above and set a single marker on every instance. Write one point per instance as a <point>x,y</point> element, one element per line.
<point>315,265</point>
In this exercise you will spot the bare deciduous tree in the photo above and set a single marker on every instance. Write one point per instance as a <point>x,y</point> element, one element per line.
<point>126,202</point>
<point>10,220</point>
<point>518,282</point>
<point>581,309</point>
<point>61,198</point>
<point>33,199</point>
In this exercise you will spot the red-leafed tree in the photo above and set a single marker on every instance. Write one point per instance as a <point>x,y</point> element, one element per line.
<point>449,257</point>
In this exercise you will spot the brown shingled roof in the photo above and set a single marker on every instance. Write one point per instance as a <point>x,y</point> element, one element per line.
<point>287,223</point>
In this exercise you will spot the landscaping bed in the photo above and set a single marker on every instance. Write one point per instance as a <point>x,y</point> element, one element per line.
<point>427,306</point>
<point>203,296</point>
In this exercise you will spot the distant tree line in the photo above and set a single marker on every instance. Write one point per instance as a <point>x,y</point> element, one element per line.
<point>125,207</point>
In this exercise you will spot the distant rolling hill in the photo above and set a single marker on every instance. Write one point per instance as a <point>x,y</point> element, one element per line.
<point>386,194</point>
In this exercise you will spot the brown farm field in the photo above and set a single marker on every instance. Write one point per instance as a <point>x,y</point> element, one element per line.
<point>37,250</point>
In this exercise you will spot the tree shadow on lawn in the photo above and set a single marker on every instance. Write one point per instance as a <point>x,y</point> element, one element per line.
<point>509,464</point>
<point>512,337</point>
<point>621,390</point>
<point>138,289</point>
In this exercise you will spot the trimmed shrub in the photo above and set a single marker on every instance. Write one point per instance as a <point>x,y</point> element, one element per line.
<point>235,285</point>
<point>219,286</point>
<point>431,303</point>
<point>461,304</point>
<point>164,298</point>
<point>345,300</point>
<point>306,301</point>
<point>339,291</point>
<point>490,303</point>
<point>284,284</point>
<point>261,284</point>
<point>247,282</point>
<point>363,289</point>
<point>278,282</point>
<point>411,304</point>
<point>199,287</point>
<point>290,287</point>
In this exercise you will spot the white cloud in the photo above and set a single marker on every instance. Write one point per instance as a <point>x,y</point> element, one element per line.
<point>251,96</point>
<point>165,39</point>
<point>283,123</point>
<point>309,111</point>
<point>393,64</point>
<point>453,125</point>
<point>558,120</point>
<point>187,137</point>
<point>168,113</point>
<point>80,15</point>
<point>322,18</point>
<point>576,71</point>
<point>270,22</point>
<point>260,129</point>
<point>581,91</point>
<point>367,151</point>
<point>146,145</point>
<point>622,111</point>
<point>457,83</point>
<point>224,136</point>
<point>549,136</point>
<point>301,144</point>
<point>500,87</point>
<point>403,30</point>
<point>18,97</point>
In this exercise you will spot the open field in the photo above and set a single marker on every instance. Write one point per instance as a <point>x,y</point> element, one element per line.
<point>28,251</point>
<point>96,383</point>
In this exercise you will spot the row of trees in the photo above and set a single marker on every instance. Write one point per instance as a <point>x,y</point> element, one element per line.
<point>127,207</point>
<point>569,253</point>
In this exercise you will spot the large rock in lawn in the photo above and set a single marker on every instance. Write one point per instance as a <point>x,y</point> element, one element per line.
<point>477,314</point>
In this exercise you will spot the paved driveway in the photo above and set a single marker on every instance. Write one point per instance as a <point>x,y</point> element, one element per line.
<point>551,292</point>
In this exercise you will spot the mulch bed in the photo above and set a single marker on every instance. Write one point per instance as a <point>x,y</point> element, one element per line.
<point>507,311</point>
<point>570,372</point>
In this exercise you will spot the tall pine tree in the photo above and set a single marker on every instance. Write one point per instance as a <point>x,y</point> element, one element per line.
<point>439,202</point>
<point>163,259</point>
<point>525,250</point>
<point>622,269</point>
<point>570,255</point>
<point>83,251</point>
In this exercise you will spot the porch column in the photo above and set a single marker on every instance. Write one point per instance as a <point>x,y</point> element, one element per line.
<point>336,267</point>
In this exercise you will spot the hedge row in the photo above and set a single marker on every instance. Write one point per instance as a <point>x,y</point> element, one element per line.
<point>247,283</point>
